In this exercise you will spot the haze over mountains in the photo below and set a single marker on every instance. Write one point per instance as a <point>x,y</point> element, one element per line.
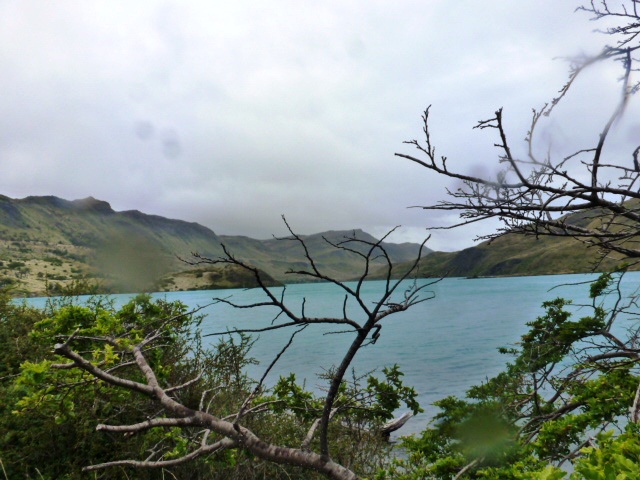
<point>48,241</point>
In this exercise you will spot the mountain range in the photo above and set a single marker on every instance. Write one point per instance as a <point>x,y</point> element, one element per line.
<point>48,243</point>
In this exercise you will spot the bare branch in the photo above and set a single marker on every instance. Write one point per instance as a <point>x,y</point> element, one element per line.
<point>258,387</point>
<point>312,431</point>
<point>365,326</point>
<point>154,422</point>
<point>204,450</point>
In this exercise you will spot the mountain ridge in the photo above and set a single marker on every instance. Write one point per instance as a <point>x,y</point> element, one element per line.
<point>47,243</point>
<point>48,239</point>
<point>514,254</point>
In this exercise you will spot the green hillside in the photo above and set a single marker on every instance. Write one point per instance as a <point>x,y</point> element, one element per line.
<point>51,244</point>
<point>277,256</point>
<point>212,278</point>
<point>47,243</point>
<point>514,254</point>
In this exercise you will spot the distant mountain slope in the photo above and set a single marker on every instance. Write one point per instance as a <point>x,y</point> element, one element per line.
<point>89,222</point>
<point>279,255</point>
<point>49,240</point>
<point>128,250</point>
<point>514,254</point>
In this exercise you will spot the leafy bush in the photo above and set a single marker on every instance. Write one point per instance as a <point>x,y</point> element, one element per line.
<point>569,380</point>
<point>49,412</point>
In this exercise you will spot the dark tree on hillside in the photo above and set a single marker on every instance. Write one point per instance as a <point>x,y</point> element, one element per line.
<point>532,194</point>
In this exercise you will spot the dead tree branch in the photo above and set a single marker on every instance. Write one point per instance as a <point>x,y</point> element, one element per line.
<point>232,430</point>
<point>535,194</point>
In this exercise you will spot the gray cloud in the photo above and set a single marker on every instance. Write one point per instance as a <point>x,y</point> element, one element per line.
<point>232,113</point>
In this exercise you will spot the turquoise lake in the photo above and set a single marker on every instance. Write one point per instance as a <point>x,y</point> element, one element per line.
<point>443,346</point>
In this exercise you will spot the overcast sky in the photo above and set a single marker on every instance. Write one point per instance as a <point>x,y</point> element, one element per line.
<point>233,113</point>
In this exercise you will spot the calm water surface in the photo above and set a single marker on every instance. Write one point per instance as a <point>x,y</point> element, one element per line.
<point>443,346</point>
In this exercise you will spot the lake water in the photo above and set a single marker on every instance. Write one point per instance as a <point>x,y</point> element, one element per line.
<point>443,346</point>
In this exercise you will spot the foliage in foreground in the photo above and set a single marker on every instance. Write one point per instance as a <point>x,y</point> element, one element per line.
<point>49,412</point>
<point>568,396</point>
